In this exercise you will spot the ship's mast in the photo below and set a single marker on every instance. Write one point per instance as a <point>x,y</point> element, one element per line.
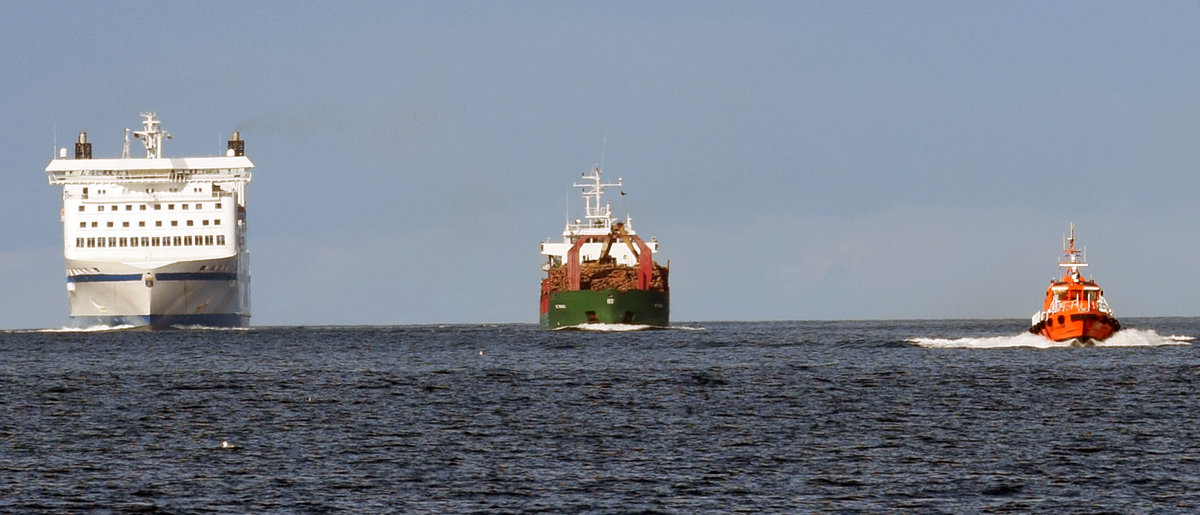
<point>597,214</point>
<point>151,135</point>
<point>1071,255</point>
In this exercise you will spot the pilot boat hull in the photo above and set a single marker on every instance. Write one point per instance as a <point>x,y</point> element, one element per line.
<point>1084,327</point>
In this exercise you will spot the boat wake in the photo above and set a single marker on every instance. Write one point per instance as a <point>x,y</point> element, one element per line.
<point>1123,338</point>
<point>608,328</point>
<point>208,328</point>
<point>90,329</point>
<point>622,328</point>
<point>126,327</point>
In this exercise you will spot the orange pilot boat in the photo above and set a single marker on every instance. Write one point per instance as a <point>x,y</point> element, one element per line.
<point>1075,308</point>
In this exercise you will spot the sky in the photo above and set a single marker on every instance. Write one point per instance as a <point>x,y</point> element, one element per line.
<point>798,160</point>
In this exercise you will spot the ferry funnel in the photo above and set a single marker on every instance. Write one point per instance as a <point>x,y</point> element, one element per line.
<point>237,147</point>
<point>83,149</point>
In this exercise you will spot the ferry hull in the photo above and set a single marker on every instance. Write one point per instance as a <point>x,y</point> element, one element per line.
<point>176,295</point>
<point>1084,328</point>
<point>632,307</point>
<point>222,320</point>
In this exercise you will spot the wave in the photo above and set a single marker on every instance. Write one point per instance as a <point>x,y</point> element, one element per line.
<point>124,327</point>
<point>208,328</point>
<point>618,328</point>
<point>89,329</point>
<point>606,328</point>
<point>1123,338</point>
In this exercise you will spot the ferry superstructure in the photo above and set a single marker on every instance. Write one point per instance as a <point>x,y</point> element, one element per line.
<point>602,272</point>
<point>155,241</point>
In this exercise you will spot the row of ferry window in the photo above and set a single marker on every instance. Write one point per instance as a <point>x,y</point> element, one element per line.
<point>157,207</point>
<point>157,223</point>
<point>151,241</point>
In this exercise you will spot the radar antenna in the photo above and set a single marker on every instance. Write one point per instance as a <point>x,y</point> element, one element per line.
<point>151,135</point>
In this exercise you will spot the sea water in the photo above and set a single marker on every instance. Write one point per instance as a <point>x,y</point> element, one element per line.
<point>927,416</point>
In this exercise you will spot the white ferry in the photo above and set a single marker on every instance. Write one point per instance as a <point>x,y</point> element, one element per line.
<point>155,241</point>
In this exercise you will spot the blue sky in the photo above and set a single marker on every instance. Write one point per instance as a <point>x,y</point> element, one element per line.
<point>797,160</point>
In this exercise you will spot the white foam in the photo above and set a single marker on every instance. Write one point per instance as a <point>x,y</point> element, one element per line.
<point>208,328</point>
<point>606,328</point>
<point>617,328</point>
<point>90,329</point>
<point>1123,338</point>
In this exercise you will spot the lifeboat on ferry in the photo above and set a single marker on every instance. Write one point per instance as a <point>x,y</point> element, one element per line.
<point>1075,309</point>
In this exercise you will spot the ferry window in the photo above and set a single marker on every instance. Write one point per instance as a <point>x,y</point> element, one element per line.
<point>170,206</point>
<point>82,224</point>
<point>208,240</point>
<point>99,208</point>
<point>205,222</point>
<point>187,240</point>
<point>142,207</point>
<point>133,242</point>
<point>183,206</point>
<point>124,242</point>
<point>189,223</point>
<point>142,223</point>
<point>178,241</point>
<point>198,206</point>
<point>114,208</point>
<point>217,222</point>
<point>220,239</point>
<point>129,207</point>
<point>158,207</point>
<point>158,223</point>
<point>145,241</point>
<point>174,223</point>
<point>100,242</point>
<point>110,224</point>
<point>124,224</point>
<point>218,205</point>
<point>93,224</point>
<point>154,241</point>
<point>81,208</point>
<point>78,242</point>
<point>91,242</point>
<point>112,241</point>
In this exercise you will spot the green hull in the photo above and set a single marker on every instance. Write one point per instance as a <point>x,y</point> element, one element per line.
<point>635,307</point>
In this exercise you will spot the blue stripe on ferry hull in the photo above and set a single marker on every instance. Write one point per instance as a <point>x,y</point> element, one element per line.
<point>164,321</point>
<point>178,276</point>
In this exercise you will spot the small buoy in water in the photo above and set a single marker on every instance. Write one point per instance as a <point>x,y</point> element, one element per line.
<point>226,445</point>
<point>481,353</point>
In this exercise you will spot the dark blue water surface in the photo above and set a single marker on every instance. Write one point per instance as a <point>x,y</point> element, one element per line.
<point>927,416</point>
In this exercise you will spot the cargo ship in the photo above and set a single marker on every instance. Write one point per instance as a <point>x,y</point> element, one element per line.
<point>155,241</point>
<point>1075,309</point>
<point>602,272</point>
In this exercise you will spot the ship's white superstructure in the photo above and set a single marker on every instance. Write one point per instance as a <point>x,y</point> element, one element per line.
<point>155,241</point>
<point>598,221</point>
